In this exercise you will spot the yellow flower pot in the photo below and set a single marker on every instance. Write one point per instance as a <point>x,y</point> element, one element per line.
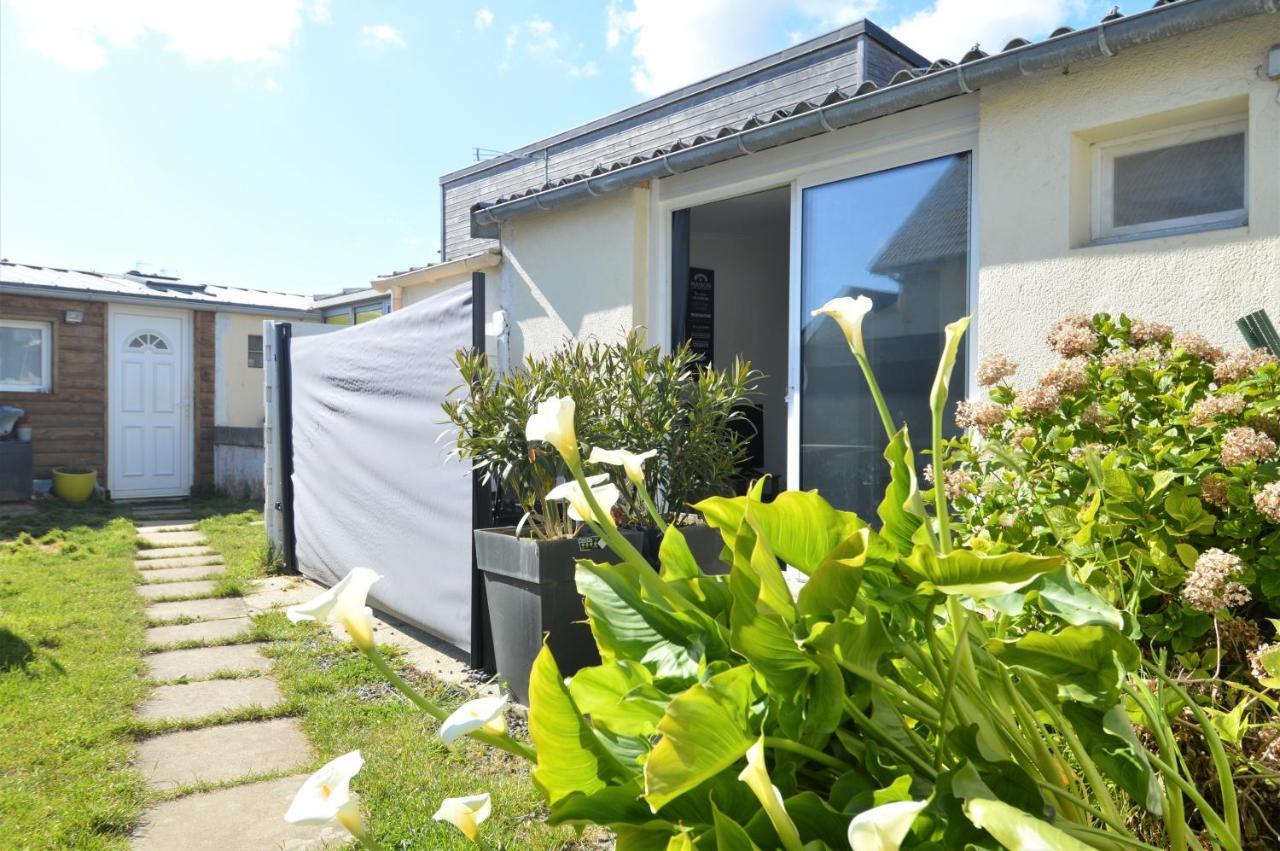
<point>74,486</point>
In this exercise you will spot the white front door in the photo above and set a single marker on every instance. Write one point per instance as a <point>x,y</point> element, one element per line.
<point>149,358</point>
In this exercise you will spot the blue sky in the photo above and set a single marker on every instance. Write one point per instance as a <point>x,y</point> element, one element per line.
<point>297,144</point>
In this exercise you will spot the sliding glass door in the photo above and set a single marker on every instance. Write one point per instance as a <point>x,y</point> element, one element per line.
<point>900,237</point>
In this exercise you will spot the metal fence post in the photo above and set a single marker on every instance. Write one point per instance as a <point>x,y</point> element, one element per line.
<point>481,505</point>
<point>284,421</point>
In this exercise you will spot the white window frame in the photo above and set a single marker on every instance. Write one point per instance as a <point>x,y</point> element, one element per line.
<point>1106,153</point>
<point>46,356</point>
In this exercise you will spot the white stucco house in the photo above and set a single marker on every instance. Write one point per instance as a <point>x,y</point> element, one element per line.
<point>1130,166</point>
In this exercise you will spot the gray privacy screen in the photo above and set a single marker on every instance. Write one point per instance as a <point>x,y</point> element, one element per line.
<point>372,486</point>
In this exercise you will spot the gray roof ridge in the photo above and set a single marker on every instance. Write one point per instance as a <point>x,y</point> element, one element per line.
<point>846,33</point>
<point>142,278</point>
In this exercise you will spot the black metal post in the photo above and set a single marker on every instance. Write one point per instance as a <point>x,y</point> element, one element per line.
<point>680,239</point>
<point>481,505</point>
<point>284,422</point>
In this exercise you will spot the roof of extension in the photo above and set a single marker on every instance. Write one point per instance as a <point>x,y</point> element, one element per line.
<point>132,286</point>
<point>909,88</point>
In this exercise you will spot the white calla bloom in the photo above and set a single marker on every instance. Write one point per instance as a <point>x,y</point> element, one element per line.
<point>884,827</point>
<point>466,814</point>
<point>343,604</point>
<point>848,313</point>
<point>487,713</point>
<point>326,795</point>
<point>605,492</point>
<point>553,422</point>
<point>756,776</point>
<point>631,462</point>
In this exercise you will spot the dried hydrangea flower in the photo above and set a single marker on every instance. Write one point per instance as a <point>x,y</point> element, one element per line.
<point>1121,359</point>
<point>1213,490</point>
<point>1210,586</point>
<point>1225,404</point>
<point>1240,634</point>
<point>1197,345</point>
<point>982,416</point>
<point>1268,501</point>
<point>1068,376</point>
<point>1022,433</point>
<point>1147,331</point>
<point>1072,336</point>
<point>1240,364</point>
<point>1255,659</point>
<point>1243,444</point>
<point>1038,401</point>
<point>1094,415</point>
<point>995,368</point>
<point>957,481</point>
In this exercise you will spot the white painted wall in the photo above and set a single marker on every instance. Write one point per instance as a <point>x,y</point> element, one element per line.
<point>577,272</point>
<point>1033,194</point>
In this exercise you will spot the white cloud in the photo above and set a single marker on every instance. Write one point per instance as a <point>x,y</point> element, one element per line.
<point>80,33</point>
<point>318,11</point>
<point>271,84</point>
<point>538,39</point>
<point>484,17</point>
<point>382,35</point>
<point>950,27</point>
<point>675,42</point>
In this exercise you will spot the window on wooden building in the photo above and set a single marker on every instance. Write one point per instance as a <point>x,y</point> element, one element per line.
<point>26,356</point>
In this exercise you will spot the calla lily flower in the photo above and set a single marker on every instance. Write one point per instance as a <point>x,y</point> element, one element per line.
<point>884,827</point>
<point>756,776</point>
<point>606,495</point>
<point>343,604</point>
<point>466,814</point>
<point>326,795</point>
<point>553,422</point>
<point>631,462</point>
<point>488,713</point>
<point>848,313</point>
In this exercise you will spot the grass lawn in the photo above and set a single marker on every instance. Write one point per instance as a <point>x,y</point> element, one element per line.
<point>344,704</point>
<point>71,638</point>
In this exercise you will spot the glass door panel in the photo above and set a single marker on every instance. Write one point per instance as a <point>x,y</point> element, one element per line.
<point>900,237</point>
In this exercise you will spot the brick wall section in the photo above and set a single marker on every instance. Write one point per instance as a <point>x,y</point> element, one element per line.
<point>203,397</point>
<point>68,424</point>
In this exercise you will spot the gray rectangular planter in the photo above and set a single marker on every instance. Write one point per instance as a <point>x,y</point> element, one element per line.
<point>704,542</point>
<point>15,470</point>
<point>529,589</point>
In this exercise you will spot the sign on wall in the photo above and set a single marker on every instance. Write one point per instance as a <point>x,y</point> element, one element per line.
<point>700,310</point>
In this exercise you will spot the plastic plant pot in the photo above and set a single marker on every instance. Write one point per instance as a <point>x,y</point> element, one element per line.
<point>74,485</point>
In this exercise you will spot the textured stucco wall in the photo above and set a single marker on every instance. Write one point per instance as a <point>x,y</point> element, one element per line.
<point>577,272</point>
<point>238,390</point>
<point>1033,194</point>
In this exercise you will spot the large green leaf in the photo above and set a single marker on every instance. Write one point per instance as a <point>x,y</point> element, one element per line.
<point>675,559</point>
<point>801,527</point>
<point>621,696</point>
<point>898,522</point>
<point>975,574</point>
<point>729,836</point>
<point>1113,745</point>
<point>833,586</point>
<point>860,640</point>
<point>773,593</point>
<point>570,757</point>
<point>1072,601</point>
<point>1017,830</point>
<point>1083,663</point>
<point>623,631</point>
<point>706,730</point>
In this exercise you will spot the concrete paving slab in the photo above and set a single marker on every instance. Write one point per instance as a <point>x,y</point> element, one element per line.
<point>223,753</point>
<point>173,552</point>
<point>184,561</point>
<point>199,631</point>
<point>200,663</point>
<point>180,524</point>
<point>174,574</point>
<point>277,592</point>
<point>170,539</point>
<point>242,817</point>
<point>207,609</point>
<point>192,701</point>
<point>203,587</point>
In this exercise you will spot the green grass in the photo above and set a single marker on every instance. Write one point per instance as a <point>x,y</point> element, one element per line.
<point>344,705</point>
<point>71,671</point>
<point>243,546</point>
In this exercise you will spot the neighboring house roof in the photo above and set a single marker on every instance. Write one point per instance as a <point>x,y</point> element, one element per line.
<point>349,296</point>
<point>101,286</point>
<point>907,89</point>
<point>935,231</point>
<point>435,272</point>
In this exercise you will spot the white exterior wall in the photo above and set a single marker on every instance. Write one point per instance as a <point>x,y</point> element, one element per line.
<point>1033,185</point>
<point>577,272</point>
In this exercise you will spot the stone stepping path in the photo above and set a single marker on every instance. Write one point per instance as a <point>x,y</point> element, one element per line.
<point>197,685</point>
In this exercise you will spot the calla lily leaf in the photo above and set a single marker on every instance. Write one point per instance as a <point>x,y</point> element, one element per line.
<point>1084,663</point>
<point>621,696</point>
<point>975,574</point>
<point>675,559</point>
<point>801,527</point>
<point>1072,601</point>
<point>898,523</point>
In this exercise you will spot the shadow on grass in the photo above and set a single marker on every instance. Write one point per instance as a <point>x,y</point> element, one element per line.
<point>17,654</point>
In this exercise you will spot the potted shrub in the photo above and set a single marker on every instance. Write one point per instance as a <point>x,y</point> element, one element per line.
<point>629,395</point>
